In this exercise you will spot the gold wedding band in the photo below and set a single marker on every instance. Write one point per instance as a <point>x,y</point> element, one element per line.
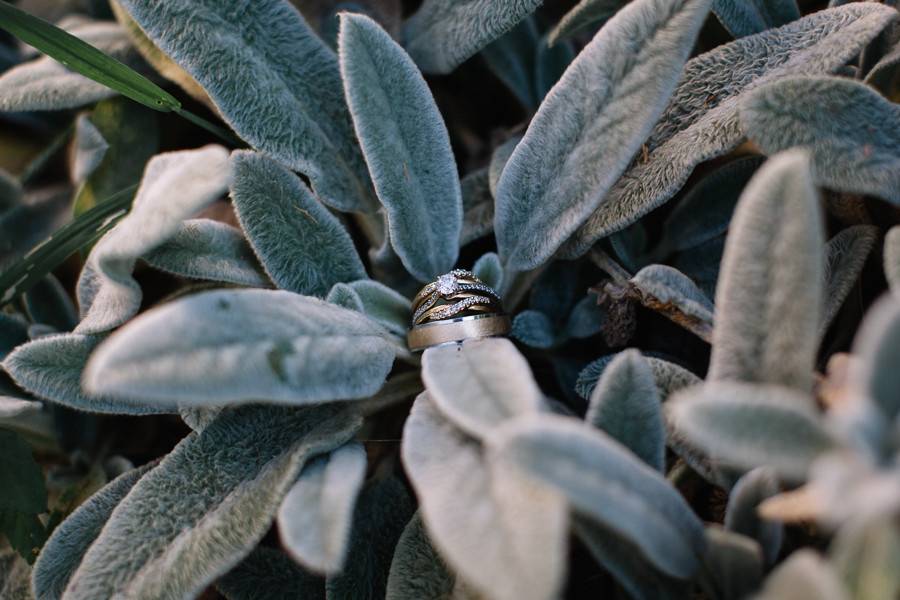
<point>454,307</point>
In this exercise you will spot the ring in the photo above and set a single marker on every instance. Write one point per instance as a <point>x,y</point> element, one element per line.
<point>454,307</point>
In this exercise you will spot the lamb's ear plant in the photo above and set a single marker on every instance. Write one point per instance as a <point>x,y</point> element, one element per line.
<point>206,388</point>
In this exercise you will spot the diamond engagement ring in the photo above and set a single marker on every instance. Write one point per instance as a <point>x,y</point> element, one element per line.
<point>454,307</point>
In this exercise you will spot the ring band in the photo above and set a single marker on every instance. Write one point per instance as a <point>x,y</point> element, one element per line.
<point>456,306</point>
<point>456,330</point>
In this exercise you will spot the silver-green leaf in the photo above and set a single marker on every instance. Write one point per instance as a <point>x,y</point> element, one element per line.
<point>225,347</point>
<point>614,91</point>
<point>406,146</point>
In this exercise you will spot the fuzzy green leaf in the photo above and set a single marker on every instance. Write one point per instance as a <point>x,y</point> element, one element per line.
<point>669,377</point>
<point>751,425</point>
<point>499,159</point>
<point>478,207</point>
<point>52,367</point>
<point>207,504</point>
<point>620,84</point>
<point>702,121</point>
<point>846,255</point>
<point>892,259</point>
<point>444,33</point>
<point>535,329</point>
<point>489,269</point>
<point>89,148</point>
<point>226,347</point>
<point>303,247</point>
<point>383,305</point>
<point>95,61</point>
<point>503,534</point>
<point>479,384</point>
<point>877,344</point>
<point>672,293</point>
<point>273,80</point>
<point>417,570</point>
<point>584,14</point>
<point>626,405</point>
<point>406,146</point>
<point>769,297</point>
<point>174,187</point>
<point>316,515</point>
<point>210,251</point>
<point>746,17</point>
<point>511,57</point>
<point>741,514</point>
<point>605,482</point>
<point>61,555</point>
<point>733,565</point>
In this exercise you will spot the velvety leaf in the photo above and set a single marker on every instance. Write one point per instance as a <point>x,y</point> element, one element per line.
<point>499,159</point>
<point>488,269</point>
<point>503,534</point>
<point>377,301</point>
<point>875,374</point>
<point>851,131</point>
<point>383,510</point>
<point>769,297</point>
<point>236,346</point>
<point>804,575</point>
<point>315,517</point>
<point>20,476</point>
<point>741,514</point>
<point>746,17</point>
<point>443,34</point>
<point>669,377</point>
<point>583,15</point>
<point>479,384</point>
<point>406,146</point>
<point>207,504</point>
<point>45,84</point>
<point>271,574</point>
<point>750,425</point>
<point>626,405</point>
<point>12,407</point>
<point>605,482</point>
<point>282,92</point>
<point>626,564</point>
<point>49,303</point>
<point>892,259</point>
<point>131,132</point>
<point>586,319</point>
<point>511,57</point>
<point>303,247</point>
<point>670,292</point>
<point>707,208</point>
<point>163,65</point>
<point>61,555</point>
<point>88,150</point>
<point>210,251</point>
<point>702,121</point>
<point>846,255</point>
<point>175,186</point>
<point>417,570</point>
<point>733,565</point>
<point>534,328</point>
<point>52,367</point>
<point>543,196</point>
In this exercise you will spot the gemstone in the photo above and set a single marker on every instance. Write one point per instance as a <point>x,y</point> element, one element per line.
<point>447,284</point>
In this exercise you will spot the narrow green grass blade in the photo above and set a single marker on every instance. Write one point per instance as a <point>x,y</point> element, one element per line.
<point>81,232</point>
<point>83,58</point>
